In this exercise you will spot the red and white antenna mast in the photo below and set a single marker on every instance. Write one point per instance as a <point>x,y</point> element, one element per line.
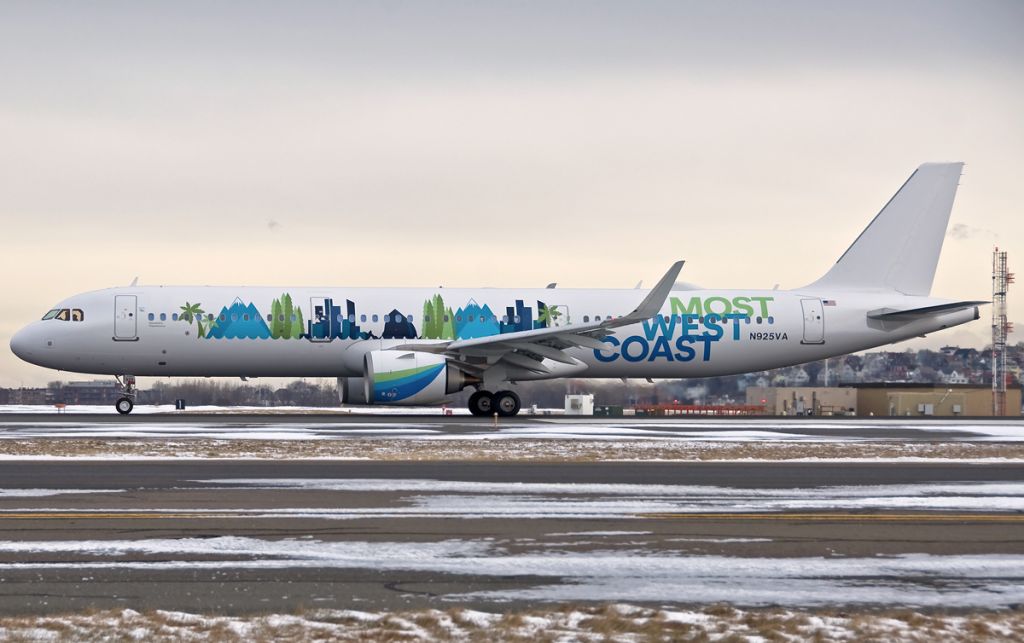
<point>1001,279</point>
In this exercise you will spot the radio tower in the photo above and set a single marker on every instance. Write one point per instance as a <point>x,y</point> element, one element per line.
<point>1001,328</point>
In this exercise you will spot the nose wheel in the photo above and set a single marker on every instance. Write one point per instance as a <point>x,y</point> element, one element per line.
<point>503,403</point>
<point>125,403</point>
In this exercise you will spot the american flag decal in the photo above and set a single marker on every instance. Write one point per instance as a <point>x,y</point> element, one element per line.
<point>828,302</point>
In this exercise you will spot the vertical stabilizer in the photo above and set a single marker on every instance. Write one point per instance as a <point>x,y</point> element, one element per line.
<point>899,249</point>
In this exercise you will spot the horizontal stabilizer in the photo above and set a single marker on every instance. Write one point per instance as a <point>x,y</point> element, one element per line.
<point>894,314</point>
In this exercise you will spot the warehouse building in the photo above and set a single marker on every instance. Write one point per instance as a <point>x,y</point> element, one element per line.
<point>883,400</point>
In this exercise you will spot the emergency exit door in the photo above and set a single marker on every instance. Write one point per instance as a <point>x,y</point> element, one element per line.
<point>814,322</point>
<point>126,318</point>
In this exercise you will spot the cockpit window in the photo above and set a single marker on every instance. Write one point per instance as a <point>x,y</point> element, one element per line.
<point>65,314</point>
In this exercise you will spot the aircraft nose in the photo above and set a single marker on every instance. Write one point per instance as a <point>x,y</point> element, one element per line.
<point>21,343</point>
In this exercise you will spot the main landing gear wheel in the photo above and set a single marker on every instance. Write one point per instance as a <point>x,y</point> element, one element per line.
<point>124,405</point>
<point>481,403</point>
<point>506,403</point>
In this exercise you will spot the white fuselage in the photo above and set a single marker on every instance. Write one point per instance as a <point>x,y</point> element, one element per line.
<point>326,332</point>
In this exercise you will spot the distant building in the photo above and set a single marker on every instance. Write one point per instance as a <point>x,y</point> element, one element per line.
<point>896,399</point>
<point>804,400</point>
<point>98,392</point>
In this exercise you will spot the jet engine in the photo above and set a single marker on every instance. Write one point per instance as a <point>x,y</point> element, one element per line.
<point>404,377</point>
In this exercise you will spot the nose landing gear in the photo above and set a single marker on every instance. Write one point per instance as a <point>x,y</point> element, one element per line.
<point>125,403</point>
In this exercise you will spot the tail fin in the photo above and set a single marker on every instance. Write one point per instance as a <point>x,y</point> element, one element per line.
<point>899,249</point>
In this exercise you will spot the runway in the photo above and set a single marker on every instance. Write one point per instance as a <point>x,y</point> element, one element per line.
<point>101,422</point>
<point>248,537</point>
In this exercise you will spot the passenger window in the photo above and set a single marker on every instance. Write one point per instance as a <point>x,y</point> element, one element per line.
<point>151,317</point>
<point>586,318</point>
<point>362,318</point>
<point>376,318</point>
<point>352,318</point>
<point>294,317</point>
<point>245,317</point>
<point>163,316</point>
<point>771,320</point>
<point>426,319</point>
<point>758,320</point>
<point>446,318</point>
<point>174,316</point>
<point>280,317</point>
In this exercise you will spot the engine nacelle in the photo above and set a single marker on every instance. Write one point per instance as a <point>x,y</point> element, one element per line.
<point>352,390</point>
<point>411,377</point>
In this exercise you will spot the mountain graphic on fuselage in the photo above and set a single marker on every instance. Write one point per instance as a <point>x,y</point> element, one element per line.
<point>240,321</point>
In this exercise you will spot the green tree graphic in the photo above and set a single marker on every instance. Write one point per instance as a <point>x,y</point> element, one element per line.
<point>276,320</point>
<point>286,309</point>
<point>298,327</point>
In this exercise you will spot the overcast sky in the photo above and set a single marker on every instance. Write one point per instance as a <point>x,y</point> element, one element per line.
<point>512,144</point>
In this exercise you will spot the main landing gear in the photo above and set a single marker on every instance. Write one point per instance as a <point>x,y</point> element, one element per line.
<point>485,403</point>
<point>125,403</point>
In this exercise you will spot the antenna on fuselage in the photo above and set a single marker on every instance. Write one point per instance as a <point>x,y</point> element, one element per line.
<point>135,282</point>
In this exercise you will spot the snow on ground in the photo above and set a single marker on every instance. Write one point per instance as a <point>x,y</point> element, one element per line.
<point>641,575</point>
<point>537,500</point>
<point>524,438</point>
<point>613,622</point>
<point>40,493</point>
<point>422,498</point>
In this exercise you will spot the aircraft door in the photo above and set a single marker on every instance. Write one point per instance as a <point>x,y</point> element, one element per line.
<point>814,321</point>
<point>126,315</point>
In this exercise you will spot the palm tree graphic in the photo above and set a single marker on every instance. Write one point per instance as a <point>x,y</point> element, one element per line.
<point>190,312</point>
<point>549,315</point>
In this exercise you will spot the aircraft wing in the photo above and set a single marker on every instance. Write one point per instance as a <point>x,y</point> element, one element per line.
<point>529,348</point>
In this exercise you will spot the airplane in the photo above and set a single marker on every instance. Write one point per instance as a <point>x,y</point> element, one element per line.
<point>419,346</point>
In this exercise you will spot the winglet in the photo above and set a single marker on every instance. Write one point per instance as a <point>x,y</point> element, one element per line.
<point>652,303</point>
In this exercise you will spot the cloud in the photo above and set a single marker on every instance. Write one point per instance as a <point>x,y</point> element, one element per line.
<point>963,232</point>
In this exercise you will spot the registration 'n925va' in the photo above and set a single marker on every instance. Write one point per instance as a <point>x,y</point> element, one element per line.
<point>762,336</point>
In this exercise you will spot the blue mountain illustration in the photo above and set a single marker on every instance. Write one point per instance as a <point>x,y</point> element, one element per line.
<point>474,321</point>
<point>239,322</point>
